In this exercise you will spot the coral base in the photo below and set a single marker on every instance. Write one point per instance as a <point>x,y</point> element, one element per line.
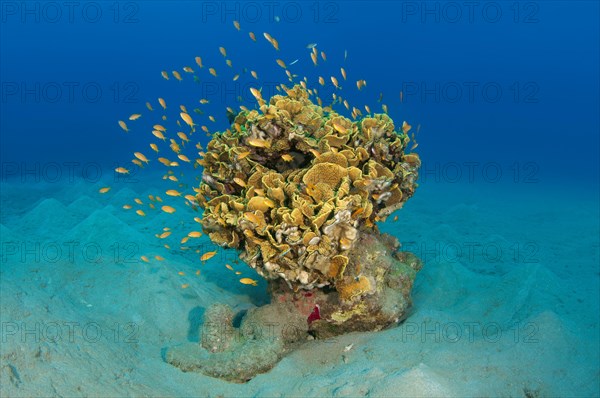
<point>373,294</point>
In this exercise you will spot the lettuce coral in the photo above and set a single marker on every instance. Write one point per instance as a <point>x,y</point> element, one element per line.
<point>292,184</point>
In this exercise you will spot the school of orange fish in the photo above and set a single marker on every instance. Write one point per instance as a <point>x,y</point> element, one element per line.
<point>176,145</point>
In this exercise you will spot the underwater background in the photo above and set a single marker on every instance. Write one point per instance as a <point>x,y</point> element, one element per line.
<point>505,95</point>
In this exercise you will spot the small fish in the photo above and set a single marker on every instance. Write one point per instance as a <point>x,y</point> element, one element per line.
<point>275,43</point>
<point>185,285</point>
<point>287,157</point>
<point>140,212</point>
<point>141,157</point>
<point>243,155</point>
<point>159,258</point>
<point>345,54</point>
<point>207,256</point>
<point>343,73</point>
<point>203,101</point>
<point>104,190</point>
<point>123,126</point>
<point>177,75</point>
<point>188,120</point>
<point>149,106</point>
<point>406,127</point>
<point>145,259</point>
<point>213,72</point>
<point>187,69</point>
<point>254,75</point>
<point>229,267</point>
<point>195,234</point>
<point>357,212</point>
<point>211,118</point>
<point>252,36</point>
<point>293,62</point>
<point>135,116</point>
<point>256,93</point>
<point>172,192</point>
<point>323,56</point>
<point>248,281</point>
<point>236,77</point>
<point>127,207</point>
<point>259,143</point>
<point>313,56</point>
<point>395,219</point>
<point>158,134</point>
<point>335,82</point>
<point>385,108</point>
<point>168,209</point>
<point>401,97</point>
<point>199,62</point>
<point>280,63</point>
<point>223,51</point>
<point>122,170</point>
<point>162,103</point>
<point>165,235</point>
<point>184,158</point>
<point>165,75</point>
<point>183,137</point>
<point>311,45</point>
<point>236,24</point>
<point>138,201</point>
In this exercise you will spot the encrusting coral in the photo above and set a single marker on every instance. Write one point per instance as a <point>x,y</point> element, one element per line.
<point>298,189</point>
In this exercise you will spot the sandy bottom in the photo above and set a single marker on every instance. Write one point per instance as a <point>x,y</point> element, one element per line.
<point>506,305</point>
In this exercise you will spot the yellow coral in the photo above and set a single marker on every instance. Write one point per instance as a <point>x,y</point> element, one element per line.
<point>293,183</point>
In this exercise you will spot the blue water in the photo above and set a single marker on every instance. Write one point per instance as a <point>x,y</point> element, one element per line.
<point>506,95</point>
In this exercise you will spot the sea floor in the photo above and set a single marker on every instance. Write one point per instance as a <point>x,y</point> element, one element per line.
<point>506,304</point>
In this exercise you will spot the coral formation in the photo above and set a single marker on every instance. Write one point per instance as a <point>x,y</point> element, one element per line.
<point>239,354</point>
<point>293,183</point>
<point>298,189</point>
<point>267,333</point>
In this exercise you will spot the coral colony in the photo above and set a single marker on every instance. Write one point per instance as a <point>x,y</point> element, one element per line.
<point>298,189</point>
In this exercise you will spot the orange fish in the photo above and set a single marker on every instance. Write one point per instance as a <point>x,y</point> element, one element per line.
<point>207,256</point>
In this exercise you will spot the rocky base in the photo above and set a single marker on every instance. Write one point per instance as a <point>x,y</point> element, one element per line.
<point>375,294</point>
